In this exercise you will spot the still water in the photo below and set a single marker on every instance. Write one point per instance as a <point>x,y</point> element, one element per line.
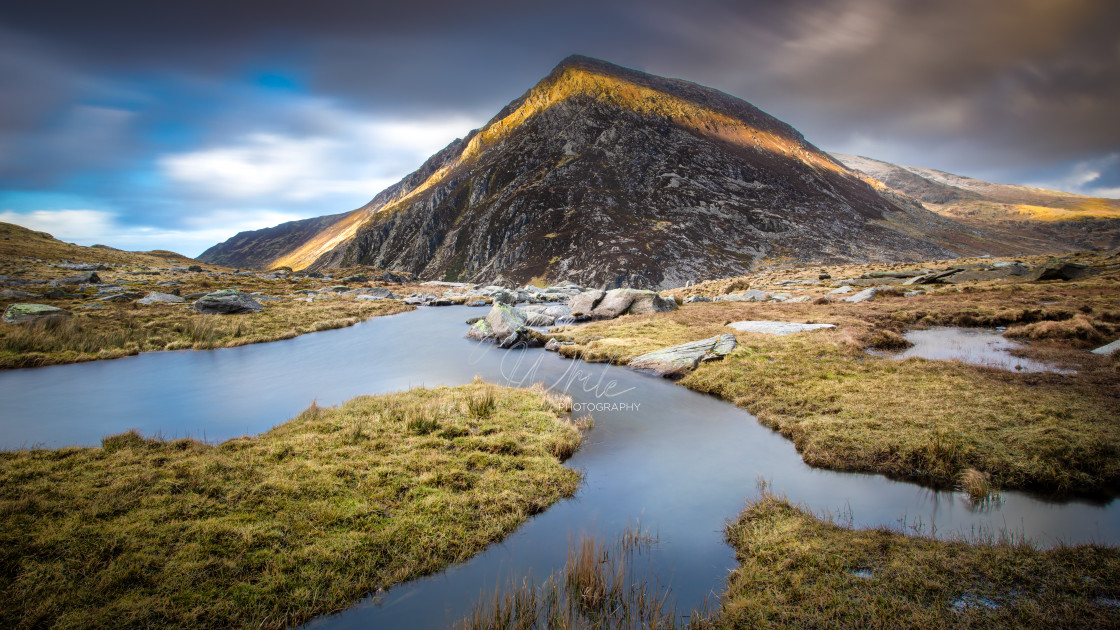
<point>678,463</point>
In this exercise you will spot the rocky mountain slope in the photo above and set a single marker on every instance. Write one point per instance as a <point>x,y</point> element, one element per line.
<point>1035,218</point>
<point>612,177</point>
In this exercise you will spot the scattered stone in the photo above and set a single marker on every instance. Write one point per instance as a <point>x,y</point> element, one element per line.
<point>841,290</point>
<point>226,302</point>
<point>380,293</point>
<point>678,360</point>
<point>440,302</point>
<point>82,266</point>
<point>907,273</point>
<point>911,294</point>
<point>8,294</point>
<point>156,296</point>
<point>862,296</point>
<point>751,295</point>
<point>776,328</point>
<point>824,276</point>
<point>692,299</point>
<point>88,277</point>
<point>126,296</point>
<point>477,303</point>
<point>1059,270</point>
<point>194,268</point>
<point>29,313</point>
<point>1108,349</point>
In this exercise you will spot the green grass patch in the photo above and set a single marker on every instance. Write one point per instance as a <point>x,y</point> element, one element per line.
<point>800,571</point>
<point>268,531</point>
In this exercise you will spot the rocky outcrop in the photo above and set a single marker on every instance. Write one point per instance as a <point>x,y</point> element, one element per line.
<point>226,302</point>
<point>1060,270</point>
<point>30,313</point>
<point>505,326</point>
<point>676,361</point>
<point>88,277</point>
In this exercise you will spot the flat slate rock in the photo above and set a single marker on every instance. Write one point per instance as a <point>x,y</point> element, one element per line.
<point>776,328</point>
<point>156,296</point>
<point>676,361</point>
<point>226,302</point>
<point>1107,350</point>
<point>27,313</point>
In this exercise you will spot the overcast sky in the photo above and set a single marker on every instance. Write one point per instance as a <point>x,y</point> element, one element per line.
<point>174,125</point>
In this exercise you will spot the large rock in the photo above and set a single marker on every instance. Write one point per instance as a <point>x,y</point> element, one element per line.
<point>751,295</point>
<point>165,298</point>
<point>28,313</point>
<point>503,325</point>
<point>776,328</point>
<point>373,292</point>
<point>88,277</point>
<point>1060,270</point>
<point>678,360</point>
<point>585,302</point>
<point>618,302</point>
<point>226,302</point>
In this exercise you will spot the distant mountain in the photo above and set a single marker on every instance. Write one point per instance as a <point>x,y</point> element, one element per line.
<point>18,242</point>
<point>612,177</point>
<point>1048,219</point>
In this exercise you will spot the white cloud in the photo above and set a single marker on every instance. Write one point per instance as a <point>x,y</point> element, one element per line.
<point>346,155</point>
<point>1084,178</point>
<point>90,227</point>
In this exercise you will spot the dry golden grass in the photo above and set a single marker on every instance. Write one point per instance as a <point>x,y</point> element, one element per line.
<point>268,531</point>
<point>799,571</point>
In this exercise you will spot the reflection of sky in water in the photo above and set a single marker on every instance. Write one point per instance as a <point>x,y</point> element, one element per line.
<point>970,345</point>
<point>682,465</point>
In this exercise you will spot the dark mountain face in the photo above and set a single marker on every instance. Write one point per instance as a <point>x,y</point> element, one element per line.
<point>610,177</point>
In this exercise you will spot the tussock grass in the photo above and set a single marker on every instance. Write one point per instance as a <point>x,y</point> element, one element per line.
<point>924,420</point>
<point>267,531</point>
<point>800,571</point>
<point>599,587</point>
<point>123,330</point>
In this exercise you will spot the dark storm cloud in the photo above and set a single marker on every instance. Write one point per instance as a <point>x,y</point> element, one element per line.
<point>1011,87</point>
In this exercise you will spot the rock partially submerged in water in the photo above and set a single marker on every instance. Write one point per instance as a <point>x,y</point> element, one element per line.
<point>505,326</point>
<point>30,313</point>
<point>678,360</point>
<point>776,328</point>
<point>226,302</point>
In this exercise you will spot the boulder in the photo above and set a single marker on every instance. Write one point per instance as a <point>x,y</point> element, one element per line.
<point>841,290</point>
<point>692,299</point>
<point>29,313</point>
<point>776,328</point>
<point>536,318</point>
<point>751,295</point>
<point>678,360</point>
<point>503,325</point>
<point>82,266</point>
<point>585,302</point>
<point>156,296</point>
<point>1059,270</point>
<point>8,294</point>
<point>380,293</point>
<point>501,296</point>
<point>88,277</point>
<point>618,302</point>
<point>862,296</point>
<point>226,302</point>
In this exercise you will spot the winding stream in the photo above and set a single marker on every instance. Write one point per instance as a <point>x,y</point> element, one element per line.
<point>679,463</point>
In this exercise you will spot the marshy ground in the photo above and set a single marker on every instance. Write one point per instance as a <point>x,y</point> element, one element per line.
<point>268,531</point>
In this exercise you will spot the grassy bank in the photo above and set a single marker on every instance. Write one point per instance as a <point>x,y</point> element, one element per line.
<point>123,330</point>
<point>270,530</point>
<point>799,571</point>
<point>939,422</point>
